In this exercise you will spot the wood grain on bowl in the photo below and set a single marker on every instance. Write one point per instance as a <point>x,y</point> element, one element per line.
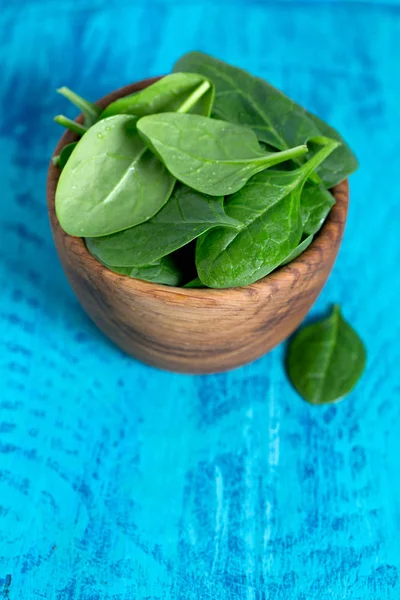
<point>193,330</point>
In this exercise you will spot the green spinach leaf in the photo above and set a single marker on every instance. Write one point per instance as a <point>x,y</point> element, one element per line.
<point>185,216</point>
<point>326,359</point>
<point>271,230</point>
<point>91,112</point>
<point>111,181</point>
<point>297,251</point>
<point>165,270</point>
<point>275,118</point>
<point>316,202</point>
<point>268,208</point>
<point>210,156</point>
<point>179,92</point>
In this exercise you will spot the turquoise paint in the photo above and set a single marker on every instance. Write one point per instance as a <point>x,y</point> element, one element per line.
<point>121,482</point>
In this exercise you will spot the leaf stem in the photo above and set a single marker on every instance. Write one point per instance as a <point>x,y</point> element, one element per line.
<point>328,147</point>
<point>70,124</point>
<point>275,158</point>
<point>86,107</point>
<point>315,178</point>
<point>194,97</point>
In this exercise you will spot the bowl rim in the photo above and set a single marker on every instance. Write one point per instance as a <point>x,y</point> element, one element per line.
<point>332,229</point>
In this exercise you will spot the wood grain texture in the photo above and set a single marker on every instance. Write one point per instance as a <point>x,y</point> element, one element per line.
<point>196,330</point>
<point>119,481</point>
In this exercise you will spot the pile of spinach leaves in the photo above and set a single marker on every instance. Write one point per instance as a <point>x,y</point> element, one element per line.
<point>211,177</point>
<point>209,163</point>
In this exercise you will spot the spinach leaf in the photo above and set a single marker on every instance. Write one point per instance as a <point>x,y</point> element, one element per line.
<point>91,112</point>
<point>275,118</point>
<point>179,92</point>
<point>297,251</point>
<point>165,270</point>
<point>195,283</point>
<point>316,202</point>
<point>61,159</point>
<point>271,230</point>
<point>70,124</point>
<point>326,359</point>
<point>185,216</point>
<point>111,181</point>
<point>210,156</point>
<point>268,208</point>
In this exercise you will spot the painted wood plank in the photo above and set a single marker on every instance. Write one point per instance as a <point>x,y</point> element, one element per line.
<point>121,482</point>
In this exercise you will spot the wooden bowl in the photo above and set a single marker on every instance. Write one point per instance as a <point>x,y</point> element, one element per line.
<point>196,330</point>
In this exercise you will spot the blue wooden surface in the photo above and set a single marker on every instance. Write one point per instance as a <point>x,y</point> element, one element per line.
<point>121,482</point>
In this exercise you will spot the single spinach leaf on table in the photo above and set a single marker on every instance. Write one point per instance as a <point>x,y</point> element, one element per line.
<point>61,159</point>
<point>111,181</point>
<point>185,216</point>
<point>276,119</point>
<point>316,203</point>
<point>91,112</point>
<point>298,250</point>
<point>165,271</point>
<point>326,359</point>
<point>183,92</point>
<point>268,208</point>
<point>208,155</point>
